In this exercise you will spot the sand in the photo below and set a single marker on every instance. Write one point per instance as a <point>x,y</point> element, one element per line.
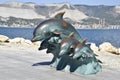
<point>25,62</point>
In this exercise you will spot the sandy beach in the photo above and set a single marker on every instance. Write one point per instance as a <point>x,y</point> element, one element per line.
<point>25,62</point>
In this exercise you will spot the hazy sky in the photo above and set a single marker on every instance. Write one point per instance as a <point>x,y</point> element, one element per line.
<point>87,2</point>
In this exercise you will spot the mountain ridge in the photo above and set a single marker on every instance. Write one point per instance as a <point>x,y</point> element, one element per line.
<point>31,13</point>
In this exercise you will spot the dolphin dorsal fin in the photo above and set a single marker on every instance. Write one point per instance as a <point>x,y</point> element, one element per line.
<point>71,34</point>
<point>84,41</point>
<point>59,15</point>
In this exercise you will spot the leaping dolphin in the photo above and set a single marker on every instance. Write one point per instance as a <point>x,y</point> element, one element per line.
<point>54,25</point>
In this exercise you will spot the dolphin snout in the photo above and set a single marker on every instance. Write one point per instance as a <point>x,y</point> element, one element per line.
<point>41,48</point>
<point>33,39</point>
<point>36,38</point>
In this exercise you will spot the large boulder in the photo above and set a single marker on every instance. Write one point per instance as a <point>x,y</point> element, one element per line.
<point>94,47</point>
<point>28,42</point>
<point>108,47</point>
<point>23,41</point>
<point>118,51</point>
<point>17,40</point>
<point>3,38</point>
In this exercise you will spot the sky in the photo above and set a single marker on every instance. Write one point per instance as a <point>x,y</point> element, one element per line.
<point>84,2</point>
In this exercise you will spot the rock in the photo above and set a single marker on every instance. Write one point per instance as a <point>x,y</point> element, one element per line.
<point>118,51</point>
<point>94,47</point>
<point>3,38</point>
<point>108,47</point>
<point>17,40</point>
<point>28,42</point>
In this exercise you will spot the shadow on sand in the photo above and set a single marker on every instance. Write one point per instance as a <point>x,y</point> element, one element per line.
<point>42,63</point>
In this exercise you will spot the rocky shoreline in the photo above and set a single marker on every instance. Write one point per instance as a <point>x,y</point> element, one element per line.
<point>104,47</point>
<point>17,40</point>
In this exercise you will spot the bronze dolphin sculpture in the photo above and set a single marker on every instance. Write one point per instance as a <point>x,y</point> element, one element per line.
<point>54,36</point>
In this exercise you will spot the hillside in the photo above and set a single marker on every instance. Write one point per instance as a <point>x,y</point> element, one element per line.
<point>111,14</point>
<point>17,14</point>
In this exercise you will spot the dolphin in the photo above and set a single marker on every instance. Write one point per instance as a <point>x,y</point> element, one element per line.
<point>44,44</point>
<point>83,50</point>
<point>89,64</point>
<point>52,44</point>
<point>51,48</point>
<point>54,25</point>
<point>67,44</point>
<point>85,57</point>
<point>48,43</point>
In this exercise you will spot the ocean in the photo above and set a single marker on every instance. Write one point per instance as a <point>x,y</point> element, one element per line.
<point>97,36</point>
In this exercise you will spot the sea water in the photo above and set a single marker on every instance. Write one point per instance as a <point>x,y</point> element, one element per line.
<point>97,36</point>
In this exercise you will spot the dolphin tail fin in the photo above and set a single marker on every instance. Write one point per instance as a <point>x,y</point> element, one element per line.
<point>59,15</point>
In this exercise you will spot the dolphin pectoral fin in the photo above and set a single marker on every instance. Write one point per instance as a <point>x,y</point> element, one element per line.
<point>62,52</point>
<point>77,55</point>
<point>57,32</point>
<point>59,15</point>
